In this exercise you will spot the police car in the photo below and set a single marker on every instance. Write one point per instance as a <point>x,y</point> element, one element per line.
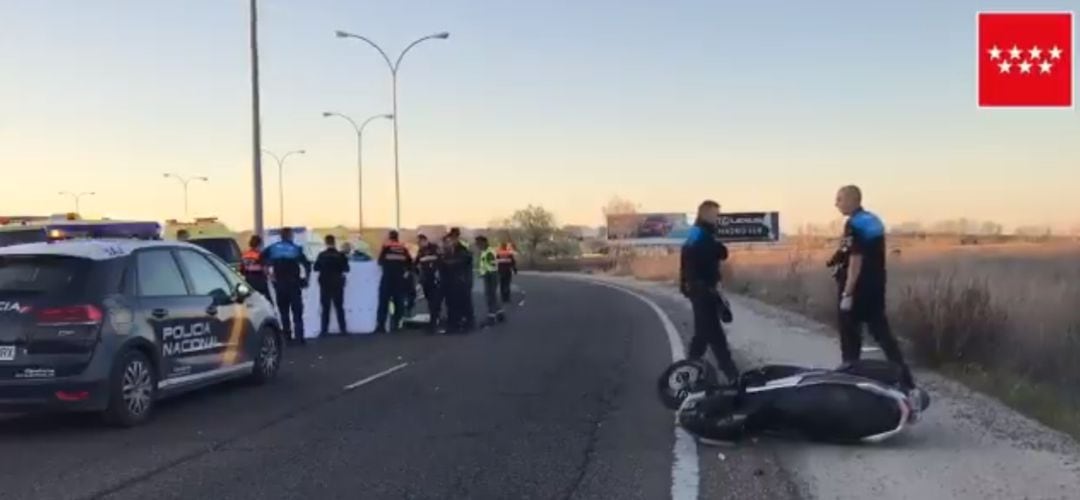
<point>112,326</point>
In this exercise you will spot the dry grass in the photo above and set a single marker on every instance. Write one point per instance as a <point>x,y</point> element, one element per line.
<point>1002,318</point>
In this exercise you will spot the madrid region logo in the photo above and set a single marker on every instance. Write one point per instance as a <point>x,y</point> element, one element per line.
<point>1025,59</point>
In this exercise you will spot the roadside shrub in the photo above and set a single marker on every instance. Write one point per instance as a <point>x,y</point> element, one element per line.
<point>951,320</point>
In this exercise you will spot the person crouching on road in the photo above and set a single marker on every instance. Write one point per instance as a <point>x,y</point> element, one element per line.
<point>395,261</point>
<point>860,280</point>
<point>332,266</point>
<point>489,274</point>
<point>428,262</point>
<point>292,273</point>
<point>507,269</point>
<point>699,280</point>
<point>252,268</point>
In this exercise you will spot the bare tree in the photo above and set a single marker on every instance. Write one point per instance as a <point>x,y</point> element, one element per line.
<point>620,206</point>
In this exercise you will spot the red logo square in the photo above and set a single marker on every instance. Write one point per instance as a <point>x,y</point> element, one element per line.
<point>1025,59</point>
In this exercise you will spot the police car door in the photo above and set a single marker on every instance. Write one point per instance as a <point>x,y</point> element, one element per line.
<point>218,349</point>
<point>177,318</point>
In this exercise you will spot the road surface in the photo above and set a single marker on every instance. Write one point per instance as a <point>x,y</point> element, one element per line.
<point>557,403</point>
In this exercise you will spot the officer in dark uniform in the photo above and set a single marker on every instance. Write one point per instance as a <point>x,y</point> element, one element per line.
<point>332,266</point>
<point>252,268</point>
<point>428,262</point>
<point>860,277</point>
<point>507,269</point>
<point>699,281</point>
<point>286,259</point>
<point>395,261</point>
<point>457,283</point>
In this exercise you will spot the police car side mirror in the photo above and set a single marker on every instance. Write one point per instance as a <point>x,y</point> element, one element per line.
<point>242,292</point>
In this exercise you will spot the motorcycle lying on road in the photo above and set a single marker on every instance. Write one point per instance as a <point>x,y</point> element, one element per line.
<point>864,401</point>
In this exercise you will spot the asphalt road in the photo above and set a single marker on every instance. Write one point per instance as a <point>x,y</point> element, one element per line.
<point>557,403</point>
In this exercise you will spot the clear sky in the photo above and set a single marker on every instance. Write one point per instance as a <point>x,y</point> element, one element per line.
<point>762,105</point>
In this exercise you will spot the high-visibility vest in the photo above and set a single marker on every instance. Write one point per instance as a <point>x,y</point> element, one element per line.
<point>505,256</point>
<point>487,262</point>
<point>250,262</point>
<point>397,252</point>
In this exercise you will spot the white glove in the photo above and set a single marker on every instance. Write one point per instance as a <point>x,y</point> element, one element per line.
<point>845,303</point>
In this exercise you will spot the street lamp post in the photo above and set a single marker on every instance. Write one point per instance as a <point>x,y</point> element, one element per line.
<point>359,157</point>
<point>184,181</point>
<point>256,127</point>
<point>394,66</point>
<point>77,197</point>
<point>281,181</point>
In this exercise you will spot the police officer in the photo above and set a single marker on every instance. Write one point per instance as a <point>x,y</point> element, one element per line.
<point>286,259</point>
<point>428,262</point>
<point>488,271</point>
<point>456,275</point>
<point>396,262</point>
<point>860,280</point>
<point>332,266</point>
<point>507,269</point>
<point>252,268</point>
<point>699,280</point>
<point>183,235</point>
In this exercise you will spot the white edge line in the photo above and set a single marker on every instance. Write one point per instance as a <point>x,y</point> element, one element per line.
<point>685,477</point>
<point>375,377</point>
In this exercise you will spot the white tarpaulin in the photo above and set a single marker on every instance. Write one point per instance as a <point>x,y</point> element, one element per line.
<point>361,301</point>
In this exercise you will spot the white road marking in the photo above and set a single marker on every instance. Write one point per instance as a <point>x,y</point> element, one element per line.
<point>685,477</point>
<point>374,377</point>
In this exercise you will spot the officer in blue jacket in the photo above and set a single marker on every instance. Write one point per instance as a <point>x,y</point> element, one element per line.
<point>286,259</point>
<point>860,277</point>
<point>699,279</point>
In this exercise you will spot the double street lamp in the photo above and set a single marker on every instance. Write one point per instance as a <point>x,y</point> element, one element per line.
<point>394,66</point>
<point>359,156</point>
<point>281,180</point>
<point>184,181</point>
<point>76,197</point>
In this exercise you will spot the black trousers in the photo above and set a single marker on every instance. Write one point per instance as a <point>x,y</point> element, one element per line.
<point>261,286</point>
<point>390,291</point>
<point>709,332</point>
<point>332,295</point>
<point>869,312</point>
<point>290,300</point>
<point>491,298</point>
<point>505,277</point>
<point>433,297</point>
<point>467,310</point>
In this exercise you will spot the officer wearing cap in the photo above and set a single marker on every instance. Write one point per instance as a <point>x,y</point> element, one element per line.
<point>396,262</point>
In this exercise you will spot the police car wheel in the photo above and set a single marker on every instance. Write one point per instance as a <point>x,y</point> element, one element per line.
<point>132,390</point>
<point>268,358</point>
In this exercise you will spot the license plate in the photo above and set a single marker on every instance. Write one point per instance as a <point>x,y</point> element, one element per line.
<point>7,353</point>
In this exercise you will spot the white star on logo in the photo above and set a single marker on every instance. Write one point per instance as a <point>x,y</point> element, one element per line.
<point>1014,52</point>
<point>1004,66</point>
<point>1045,67</point>
<point>1035,52</point>
<point>1055,53</point>
<point>995,52</point>
<point>1025,67</point>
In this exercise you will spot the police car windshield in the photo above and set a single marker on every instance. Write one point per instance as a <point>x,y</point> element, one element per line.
<point>37,274</point>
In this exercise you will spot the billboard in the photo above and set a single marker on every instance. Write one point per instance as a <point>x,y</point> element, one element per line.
<point>749,227</point>
<point>672,228</point>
